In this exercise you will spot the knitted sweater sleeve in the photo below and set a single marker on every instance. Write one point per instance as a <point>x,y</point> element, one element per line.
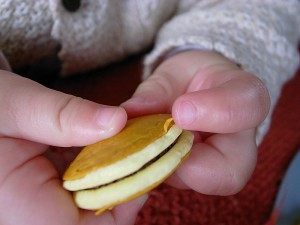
<point>261,36</point>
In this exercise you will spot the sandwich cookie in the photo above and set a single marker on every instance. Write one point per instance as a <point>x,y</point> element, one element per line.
<point>129,164</point>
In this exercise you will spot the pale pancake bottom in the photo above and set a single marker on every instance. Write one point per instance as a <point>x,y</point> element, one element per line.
<point>107,196</point>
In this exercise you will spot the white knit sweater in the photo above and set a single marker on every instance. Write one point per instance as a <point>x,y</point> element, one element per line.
<point>260,35</point>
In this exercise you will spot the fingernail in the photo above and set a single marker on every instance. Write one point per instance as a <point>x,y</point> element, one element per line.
<point>186,113</point>
<point>107,116</point>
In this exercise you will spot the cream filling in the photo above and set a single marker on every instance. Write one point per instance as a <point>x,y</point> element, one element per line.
<point>132,186</point>
<point>126,166</point>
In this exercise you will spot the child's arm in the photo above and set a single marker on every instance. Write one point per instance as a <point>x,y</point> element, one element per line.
<point>260,36</point>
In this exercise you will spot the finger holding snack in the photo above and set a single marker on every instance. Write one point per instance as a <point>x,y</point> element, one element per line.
<point>223,104</point>
<point>33,117</point>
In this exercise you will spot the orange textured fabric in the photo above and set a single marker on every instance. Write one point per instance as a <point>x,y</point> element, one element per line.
<point>254,203</point>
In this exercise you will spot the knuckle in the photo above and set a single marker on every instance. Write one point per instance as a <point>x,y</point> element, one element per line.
<point>231,116</point>
<point>259,99</point>
<point>231,184</point>
<point>162,84</point>
<point>236,182</point>
<point>248,108</point>
<point>263,95</point>
<point>66,113</point>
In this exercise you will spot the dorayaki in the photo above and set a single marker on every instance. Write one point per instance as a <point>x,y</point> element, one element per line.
<point>129,164</point>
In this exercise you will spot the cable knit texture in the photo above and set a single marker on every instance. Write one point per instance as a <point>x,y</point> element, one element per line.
<point>261,36</point>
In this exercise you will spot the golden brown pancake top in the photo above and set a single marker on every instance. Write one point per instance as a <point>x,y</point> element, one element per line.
<point>136,135</point>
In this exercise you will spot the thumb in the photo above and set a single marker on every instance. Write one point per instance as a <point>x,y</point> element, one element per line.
<point>34,112</point>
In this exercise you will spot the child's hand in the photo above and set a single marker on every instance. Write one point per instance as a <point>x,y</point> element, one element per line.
<point>30,188</point>
<point>223,104</point>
